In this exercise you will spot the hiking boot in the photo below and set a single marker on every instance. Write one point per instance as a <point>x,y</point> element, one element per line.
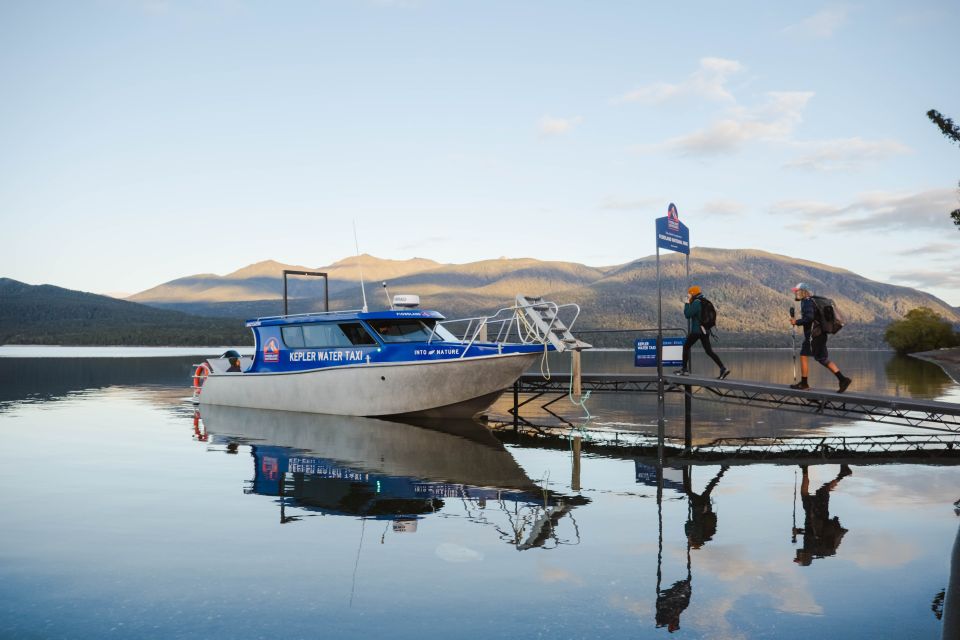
<point>800,385</point>
<point>844,383</point>
<point>724,372</point>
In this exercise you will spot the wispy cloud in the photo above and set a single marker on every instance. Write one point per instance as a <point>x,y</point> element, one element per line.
<point>822,24</point>
<point>723,207</point>
<point>708,82</point>
<point>774,120</point>
<point>803,208</point>
<point>559,575</point>
<point>846,154</point>
<point>924,210</point>
<point>880,549</point>
<point>929,278</point>
<point>553,126</point>
<point>879,211</point>
<point>932,248</point>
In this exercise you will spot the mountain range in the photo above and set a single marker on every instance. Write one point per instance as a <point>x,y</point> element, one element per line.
<point>750,288</point>
<point>45,314</point>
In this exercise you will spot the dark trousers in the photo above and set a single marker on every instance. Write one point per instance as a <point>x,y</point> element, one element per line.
<point>692,340</point>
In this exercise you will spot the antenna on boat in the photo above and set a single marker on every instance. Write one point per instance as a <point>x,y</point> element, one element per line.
<point>387,291</point>
<point>356,244</point>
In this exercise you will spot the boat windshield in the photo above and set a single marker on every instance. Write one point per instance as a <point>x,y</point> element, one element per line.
<point>411,330</point>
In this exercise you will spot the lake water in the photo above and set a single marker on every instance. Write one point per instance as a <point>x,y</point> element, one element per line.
<point>126,514</point>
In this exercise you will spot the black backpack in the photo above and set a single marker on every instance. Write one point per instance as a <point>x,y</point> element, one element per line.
<point>708,315</point>
<point>830,318</point>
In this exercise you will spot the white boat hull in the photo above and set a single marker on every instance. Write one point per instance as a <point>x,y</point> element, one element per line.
<point>457,387</point>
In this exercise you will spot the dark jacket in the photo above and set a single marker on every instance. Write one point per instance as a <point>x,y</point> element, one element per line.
<point>691,311</point>
<point>808,315</point>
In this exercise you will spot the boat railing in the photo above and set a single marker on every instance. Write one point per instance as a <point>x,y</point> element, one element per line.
<point>510,321</point>
<point>307,315</point>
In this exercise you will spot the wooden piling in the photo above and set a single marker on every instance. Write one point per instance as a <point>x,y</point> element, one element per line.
<point>576,373</point>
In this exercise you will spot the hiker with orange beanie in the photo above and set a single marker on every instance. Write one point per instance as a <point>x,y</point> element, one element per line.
<point>692,310</point>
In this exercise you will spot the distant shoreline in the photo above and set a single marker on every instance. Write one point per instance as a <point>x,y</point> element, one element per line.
<point>112,351</point>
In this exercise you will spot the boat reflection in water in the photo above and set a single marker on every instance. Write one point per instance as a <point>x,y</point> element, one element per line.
<point>387,470</point>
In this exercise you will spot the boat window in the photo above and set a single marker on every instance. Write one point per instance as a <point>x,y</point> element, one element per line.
<point>405,330</point>
<point>345,334</point>
<point>325,335</point>
<point>292,337</point>
<point>356,333</point>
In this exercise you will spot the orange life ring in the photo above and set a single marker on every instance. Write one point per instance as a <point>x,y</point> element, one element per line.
<point>203,370</point>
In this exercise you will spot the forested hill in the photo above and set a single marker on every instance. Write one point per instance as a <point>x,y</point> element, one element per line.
<point>47,314</point>
<point>750,288</point>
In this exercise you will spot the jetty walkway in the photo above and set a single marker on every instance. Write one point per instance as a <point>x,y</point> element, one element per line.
<point>911,412</point>
<point>940,419</point>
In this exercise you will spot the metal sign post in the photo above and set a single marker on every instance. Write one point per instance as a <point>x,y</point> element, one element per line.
<point>673,235</point>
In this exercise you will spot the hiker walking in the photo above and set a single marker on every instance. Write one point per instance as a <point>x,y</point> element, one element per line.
<point>693,310</point>
<point>814,339</point>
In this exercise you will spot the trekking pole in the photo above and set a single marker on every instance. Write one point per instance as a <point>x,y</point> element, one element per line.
<point>793,535</point>
<point>793,336</point>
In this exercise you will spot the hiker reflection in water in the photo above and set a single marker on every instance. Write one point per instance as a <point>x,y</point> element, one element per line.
<point>672,602</point>
<point>700,527</point>
<point>821,533</point>
<point>701,520</point>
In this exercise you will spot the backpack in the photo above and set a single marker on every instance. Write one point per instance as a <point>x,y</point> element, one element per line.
<point>830,318</point>
<point>708,315</point>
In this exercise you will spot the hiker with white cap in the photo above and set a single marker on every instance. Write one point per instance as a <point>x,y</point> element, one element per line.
<point>814,339</point>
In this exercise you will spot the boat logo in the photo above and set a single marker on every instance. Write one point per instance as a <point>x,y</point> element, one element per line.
<point>270,468</point>
<point>271,351</point>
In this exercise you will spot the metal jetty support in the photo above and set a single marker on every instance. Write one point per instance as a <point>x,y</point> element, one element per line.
<point>936,449</point>
<point>911,412</point>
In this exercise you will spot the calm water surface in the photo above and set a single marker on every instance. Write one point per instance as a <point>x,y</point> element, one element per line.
<point>126,514</point>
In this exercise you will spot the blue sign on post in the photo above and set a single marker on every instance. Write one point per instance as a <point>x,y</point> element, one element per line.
<point>673,234</point>
<point>645,352</point>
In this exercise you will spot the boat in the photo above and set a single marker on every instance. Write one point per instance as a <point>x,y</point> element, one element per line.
<point>402,361</point>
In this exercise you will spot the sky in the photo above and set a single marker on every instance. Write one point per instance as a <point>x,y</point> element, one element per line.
<point>143,141</point>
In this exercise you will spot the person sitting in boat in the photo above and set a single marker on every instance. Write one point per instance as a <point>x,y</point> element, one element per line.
<point>233,357</point>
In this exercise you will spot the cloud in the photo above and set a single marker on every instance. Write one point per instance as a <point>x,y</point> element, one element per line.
<point>803,208</point>
<point>875,550</point>
<point>733,565</point>
<point>924,210</point>
<point>846,154</point>
<point>552,126</point>
<point>774,120</point>
<point>822,24</point>
<point>929,278</point>
<point>723,207</point>
<point>878,211</point>
<point>455,553</point>
<point>708,82</point>
<point>932,248</point>
<point>557,574</point>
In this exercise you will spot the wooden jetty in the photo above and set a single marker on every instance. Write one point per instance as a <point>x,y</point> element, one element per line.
<point>930,415</point>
